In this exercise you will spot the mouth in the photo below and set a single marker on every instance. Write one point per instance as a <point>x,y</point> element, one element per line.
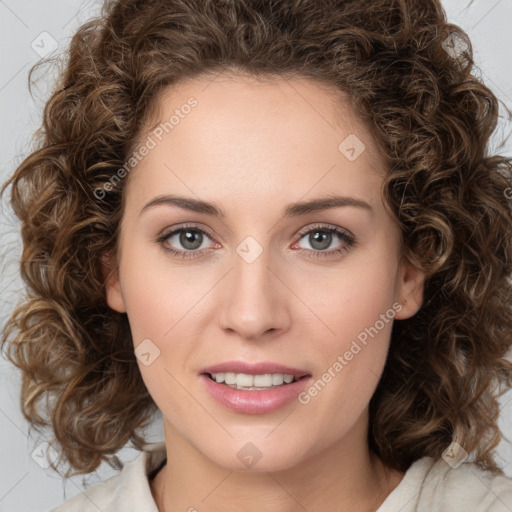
<point>254,388</point>
<point>254,382</point>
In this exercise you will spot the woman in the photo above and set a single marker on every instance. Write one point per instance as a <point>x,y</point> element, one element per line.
<point>277,224</point>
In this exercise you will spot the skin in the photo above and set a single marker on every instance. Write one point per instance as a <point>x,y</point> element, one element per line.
<point>252,148</point>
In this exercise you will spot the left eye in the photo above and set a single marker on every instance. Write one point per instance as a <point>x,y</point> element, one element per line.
<point>320,238</point>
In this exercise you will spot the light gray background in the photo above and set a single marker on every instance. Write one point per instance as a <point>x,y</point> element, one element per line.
<point>25,485</point>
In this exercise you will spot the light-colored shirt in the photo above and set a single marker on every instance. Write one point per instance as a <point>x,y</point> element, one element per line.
<point>427,486</point>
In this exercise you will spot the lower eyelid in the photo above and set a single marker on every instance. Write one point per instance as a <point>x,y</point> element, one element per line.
<point>342,235</point>
<point>348,239</point>
<point>166,236</point>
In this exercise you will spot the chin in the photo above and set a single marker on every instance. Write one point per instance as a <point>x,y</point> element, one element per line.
<point>256,456</point>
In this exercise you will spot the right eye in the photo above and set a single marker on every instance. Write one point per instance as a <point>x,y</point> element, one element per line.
<point>191,238</point>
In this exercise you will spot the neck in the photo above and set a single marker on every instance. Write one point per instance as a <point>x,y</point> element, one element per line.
<point>343,476</point>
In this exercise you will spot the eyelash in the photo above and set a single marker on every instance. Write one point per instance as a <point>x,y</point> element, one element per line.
<point>346,237</point>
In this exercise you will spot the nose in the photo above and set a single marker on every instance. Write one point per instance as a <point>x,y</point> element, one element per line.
<point>254,299</point>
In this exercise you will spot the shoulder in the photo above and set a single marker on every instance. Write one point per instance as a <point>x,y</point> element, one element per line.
<point>467,487</point>
<point>430,485</point>
<point>129,490</point>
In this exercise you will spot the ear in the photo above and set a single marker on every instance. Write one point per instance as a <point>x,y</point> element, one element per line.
<point>409,289</point>
<point>110,271</point>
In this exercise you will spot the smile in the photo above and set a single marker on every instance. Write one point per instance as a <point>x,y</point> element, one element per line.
<point>251,399</point>
<point>252,382</point>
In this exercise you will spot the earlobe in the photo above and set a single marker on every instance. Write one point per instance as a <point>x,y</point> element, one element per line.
<point>113,292</point>
<point>410,289</point>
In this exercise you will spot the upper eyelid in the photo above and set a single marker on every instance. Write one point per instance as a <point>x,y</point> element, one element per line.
<point>321,226</point>
<point>302,232</point>
<point>172,231</point>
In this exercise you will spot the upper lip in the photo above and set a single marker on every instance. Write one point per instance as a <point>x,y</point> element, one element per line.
<point>254,368</point>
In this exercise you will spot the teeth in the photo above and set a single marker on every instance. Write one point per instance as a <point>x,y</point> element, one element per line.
<point>229,378</point>
<point>244,380</point>
<point>277,379</point>
<point>261,381</point>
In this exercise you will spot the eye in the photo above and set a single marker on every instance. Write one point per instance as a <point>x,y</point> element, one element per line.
<point>321,237</point>
<point>191,238</point>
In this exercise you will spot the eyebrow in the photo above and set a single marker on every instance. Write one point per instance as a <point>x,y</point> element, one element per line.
<point>292,210</point>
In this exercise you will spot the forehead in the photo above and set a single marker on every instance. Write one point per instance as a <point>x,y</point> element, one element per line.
<point>298,101</point>
<point>250,136</point>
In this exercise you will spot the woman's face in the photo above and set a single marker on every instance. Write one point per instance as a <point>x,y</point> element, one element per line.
<point>266,283</point>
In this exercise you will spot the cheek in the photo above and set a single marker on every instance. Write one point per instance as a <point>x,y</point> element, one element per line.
<point>157,295</point>
<point>160,308</point>
<point>367,297</point>
<point>353,297</point>
<point>355,306</point>
<point>163,305</point>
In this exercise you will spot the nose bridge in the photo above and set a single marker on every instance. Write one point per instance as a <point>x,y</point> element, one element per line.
<point>252,303</point>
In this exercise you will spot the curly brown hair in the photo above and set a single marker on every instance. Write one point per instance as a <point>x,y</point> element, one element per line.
<point>408,73</point>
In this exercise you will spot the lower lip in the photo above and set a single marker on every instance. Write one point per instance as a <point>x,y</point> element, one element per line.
<point>254,402</point>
